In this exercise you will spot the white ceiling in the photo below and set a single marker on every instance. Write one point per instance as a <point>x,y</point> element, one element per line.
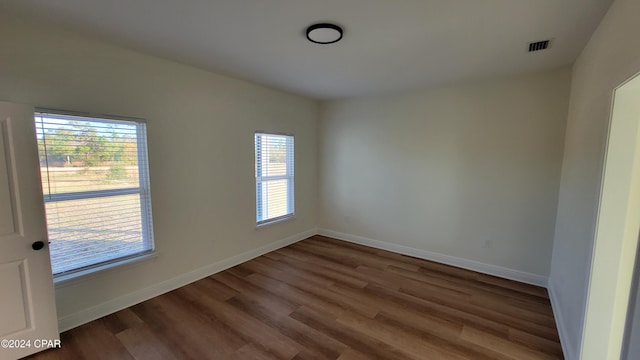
<point>388,46</point>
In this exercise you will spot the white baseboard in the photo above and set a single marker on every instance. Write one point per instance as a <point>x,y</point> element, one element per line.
<point>567,349</point>
<point>95,312</point>
<point>489,269</point>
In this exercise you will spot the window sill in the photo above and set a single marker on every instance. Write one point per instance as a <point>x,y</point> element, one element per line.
<point>276,221</point>
<point>84,275</point>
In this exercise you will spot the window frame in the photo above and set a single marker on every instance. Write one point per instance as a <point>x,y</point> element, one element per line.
<point>143,190</point>
<point>289,176</point>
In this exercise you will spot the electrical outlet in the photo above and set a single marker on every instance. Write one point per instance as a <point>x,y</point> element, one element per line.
<point>488,244</point>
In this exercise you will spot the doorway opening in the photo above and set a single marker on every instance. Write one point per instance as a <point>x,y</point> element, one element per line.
<point>617,229</point>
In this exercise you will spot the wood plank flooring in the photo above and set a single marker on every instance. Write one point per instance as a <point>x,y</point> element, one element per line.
<point>323,298</point>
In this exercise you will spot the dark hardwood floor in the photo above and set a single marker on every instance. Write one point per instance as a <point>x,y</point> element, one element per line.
<point>323,298</point>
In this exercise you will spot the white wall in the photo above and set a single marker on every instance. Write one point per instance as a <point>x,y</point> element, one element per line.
<point>200,132</point>
<point>450,169</point>
<point>611,56</point>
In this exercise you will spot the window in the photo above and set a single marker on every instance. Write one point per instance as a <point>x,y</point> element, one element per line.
<point>274,177</point>
<point>95,181</point>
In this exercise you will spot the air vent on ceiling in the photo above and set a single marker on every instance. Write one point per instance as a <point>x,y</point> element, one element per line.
<point>538,45</point>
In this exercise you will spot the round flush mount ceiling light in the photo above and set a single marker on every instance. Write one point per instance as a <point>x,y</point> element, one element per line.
<point>324,33</point>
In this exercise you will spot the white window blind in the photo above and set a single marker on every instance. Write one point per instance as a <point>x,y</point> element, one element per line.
<point>274,177</point>
<point>95,181</point>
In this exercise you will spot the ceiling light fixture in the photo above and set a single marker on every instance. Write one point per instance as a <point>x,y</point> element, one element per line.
<point>324,33</point>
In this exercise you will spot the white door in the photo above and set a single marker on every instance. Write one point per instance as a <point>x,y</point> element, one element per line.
<point>28,321</point>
